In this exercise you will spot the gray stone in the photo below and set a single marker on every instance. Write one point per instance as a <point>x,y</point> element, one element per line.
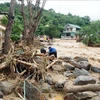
<point>32,92</point>
<point>90,94</point>
<point>70,96</point>
<point>78,72</point>
<point>65,58</point>
<point>45,88</point>
<point>68,67</point>
<point>78,59</point>
<point>95,69</point>
<point>1,94</point>
<point>83,80</point>
<point>85,65</point>
<point>77,96</point>
<point>68,73</point>
<point>96,98</point>
<point>57,68</point>
<point>49,79</point>
<point>6,87</point>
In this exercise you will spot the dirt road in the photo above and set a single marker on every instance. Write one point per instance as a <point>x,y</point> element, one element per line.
<point>72,48</point>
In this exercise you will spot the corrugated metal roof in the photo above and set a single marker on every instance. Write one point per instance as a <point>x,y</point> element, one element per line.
<point>72,25</point>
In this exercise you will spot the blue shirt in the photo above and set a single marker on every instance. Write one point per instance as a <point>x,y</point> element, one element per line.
<point>51,50</point>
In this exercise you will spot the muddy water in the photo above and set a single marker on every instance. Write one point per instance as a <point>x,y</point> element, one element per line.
<point>72,48</point>
<point>58,97</point>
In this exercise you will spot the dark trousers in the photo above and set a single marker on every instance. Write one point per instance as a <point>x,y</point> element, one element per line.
<point>53,53</point>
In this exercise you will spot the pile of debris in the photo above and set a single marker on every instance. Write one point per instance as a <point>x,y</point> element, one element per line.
<point>38,78</point>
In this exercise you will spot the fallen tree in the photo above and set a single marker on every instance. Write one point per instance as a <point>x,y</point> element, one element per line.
<point>90,87</point>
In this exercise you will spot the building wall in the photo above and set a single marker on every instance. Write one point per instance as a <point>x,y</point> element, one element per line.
<point>71,29</point>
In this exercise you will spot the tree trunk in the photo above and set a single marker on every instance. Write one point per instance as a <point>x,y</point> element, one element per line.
<point>90,87</point>
<point>36,19</point>
<point>24,18</point>
<point>9,27</point>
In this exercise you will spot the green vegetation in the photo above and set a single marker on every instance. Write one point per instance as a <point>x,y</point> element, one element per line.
<point>91,34</point>
<point>53,23</point>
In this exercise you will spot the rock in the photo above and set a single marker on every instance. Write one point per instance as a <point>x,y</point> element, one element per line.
<point>82,96</point>
<point>58,80</point>
<point>68,73</point>
<point>45,88</point>
<point>32,92</point>
<point>70,96</point>
<point>96,98</point>
<point>83,80</point>
<point>95,69</point>
<point>78,72</point>
<point>6,87</point>
<point>76,96</point>
<point>85,65</point>
<point>1,99</point>
<point>68,67</point>
<point>49,79</point>
<point>78,59</point>
<point>64,58</point>
<point>1,94</point>
<point>90,94</point>
<point>57,68</point>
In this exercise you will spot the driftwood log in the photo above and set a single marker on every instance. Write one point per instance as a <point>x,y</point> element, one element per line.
<point>90,87</point>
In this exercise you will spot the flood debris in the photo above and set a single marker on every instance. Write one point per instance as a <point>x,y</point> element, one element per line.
<point>37,76</point>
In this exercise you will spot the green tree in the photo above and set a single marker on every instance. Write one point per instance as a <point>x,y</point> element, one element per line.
<point>51,31</point>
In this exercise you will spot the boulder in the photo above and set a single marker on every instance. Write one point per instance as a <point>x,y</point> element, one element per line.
<point>65,58</point>
<point>77,96</point>
<point>78,59</point>
<point>95,69</point>
<point>68,66</point>
<point>70,96</point>
<point>78,72</point>
<point>49,79</point>
<point>57,68</point>
<point>31,91</point>
<point>83,80</point>
<point>85,65</point>
<point>45,88</point>
<point>6,87</point>
<point>68,73</point>
<point>56,79</point>
<point>1,94</point>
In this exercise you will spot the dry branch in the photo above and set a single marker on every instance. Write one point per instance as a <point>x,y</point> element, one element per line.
<point>51,64</point>
<point>26,63</point>
<point>3,65</point>
<point>90,87</point>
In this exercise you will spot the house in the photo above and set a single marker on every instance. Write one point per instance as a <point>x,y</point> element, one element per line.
<point>70,31</point>
<point>2,29</point>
